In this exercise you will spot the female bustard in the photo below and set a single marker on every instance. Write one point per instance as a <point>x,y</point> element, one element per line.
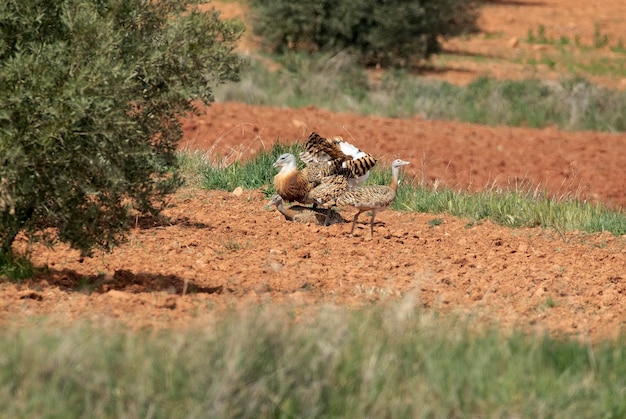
<point>374,198</point>
<point>302,214</point>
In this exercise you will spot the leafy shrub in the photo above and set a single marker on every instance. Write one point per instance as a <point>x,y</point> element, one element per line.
<point>382,32</point>
<point>91,94</point>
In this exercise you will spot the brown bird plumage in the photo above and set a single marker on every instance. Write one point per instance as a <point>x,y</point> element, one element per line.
<point>331,165</point>
<point>334,156</point>
<point>290,183</point>
<point>374,198</point>
<point>302,214</point>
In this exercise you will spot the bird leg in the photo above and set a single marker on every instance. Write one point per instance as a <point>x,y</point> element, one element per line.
<point>327,219</point>
<point>354,221</point>
<point>372,224</point>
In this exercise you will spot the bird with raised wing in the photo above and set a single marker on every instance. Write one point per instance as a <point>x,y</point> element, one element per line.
<point>326,160</point>
<point>343,158</point>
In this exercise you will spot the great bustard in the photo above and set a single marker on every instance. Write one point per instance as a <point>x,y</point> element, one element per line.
<point>331,165</point>
<point>341,156</point>
<point>374,198</point>
<point>302,214</point>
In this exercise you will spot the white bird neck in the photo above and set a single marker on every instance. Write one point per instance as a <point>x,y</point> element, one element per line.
<point>395,172</point>
<point>288,168</point>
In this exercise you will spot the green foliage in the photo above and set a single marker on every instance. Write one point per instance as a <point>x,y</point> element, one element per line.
<point>392,360</point>
<point>576,58</point>
<point>91,92</point>
<point>619,48</point>
<point>252,174</point>
<point>571,104</point>
<point>332,81</point>
<point>16,267</point>
<point>540,38</point>
<point>336,82</point>
<point>514,207</point>
<point>398,32</point>
<point>600,40</point>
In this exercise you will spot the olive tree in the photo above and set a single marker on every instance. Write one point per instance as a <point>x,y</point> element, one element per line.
<point>91,95</point>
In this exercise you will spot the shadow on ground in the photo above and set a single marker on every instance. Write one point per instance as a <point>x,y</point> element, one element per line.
<point>121,280</point>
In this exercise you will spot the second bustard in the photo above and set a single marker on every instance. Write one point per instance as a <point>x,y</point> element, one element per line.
<point>302,214</point>
<point>331,164</point>
<point>374,198</point>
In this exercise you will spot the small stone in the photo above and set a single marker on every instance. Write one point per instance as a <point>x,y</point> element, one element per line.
<point>540,291</point>
<point>298,124</point>
<point>118,295</point>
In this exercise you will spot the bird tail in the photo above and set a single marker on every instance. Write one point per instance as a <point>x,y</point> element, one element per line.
<point>318,148</point>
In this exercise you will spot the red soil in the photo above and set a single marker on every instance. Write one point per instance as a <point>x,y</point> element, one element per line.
<point>222,249</point>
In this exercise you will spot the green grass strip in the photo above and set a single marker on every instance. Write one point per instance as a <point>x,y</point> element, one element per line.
<point>517,207</point>
<point>514,208</point>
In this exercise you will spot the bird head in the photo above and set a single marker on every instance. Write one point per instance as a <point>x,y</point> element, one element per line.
<point>275,200</point>
<point>397,163</point>
<point>285,160</point>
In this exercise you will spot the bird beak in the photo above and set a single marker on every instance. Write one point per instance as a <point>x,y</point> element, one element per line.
<point>276,164</point>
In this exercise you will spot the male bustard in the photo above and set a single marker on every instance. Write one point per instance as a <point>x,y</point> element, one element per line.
<point>331,165</point>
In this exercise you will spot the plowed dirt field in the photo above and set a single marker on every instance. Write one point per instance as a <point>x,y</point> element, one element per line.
<point>220,249</point>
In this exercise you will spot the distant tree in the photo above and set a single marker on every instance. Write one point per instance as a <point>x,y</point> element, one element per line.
<point>386,32</point>
<point>91,92</point>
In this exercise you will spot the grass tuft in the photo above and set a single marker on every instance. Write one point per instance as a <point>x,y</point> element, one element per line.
<point>253,174</point>
<point>16,267</point>
<point>513,208</point>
